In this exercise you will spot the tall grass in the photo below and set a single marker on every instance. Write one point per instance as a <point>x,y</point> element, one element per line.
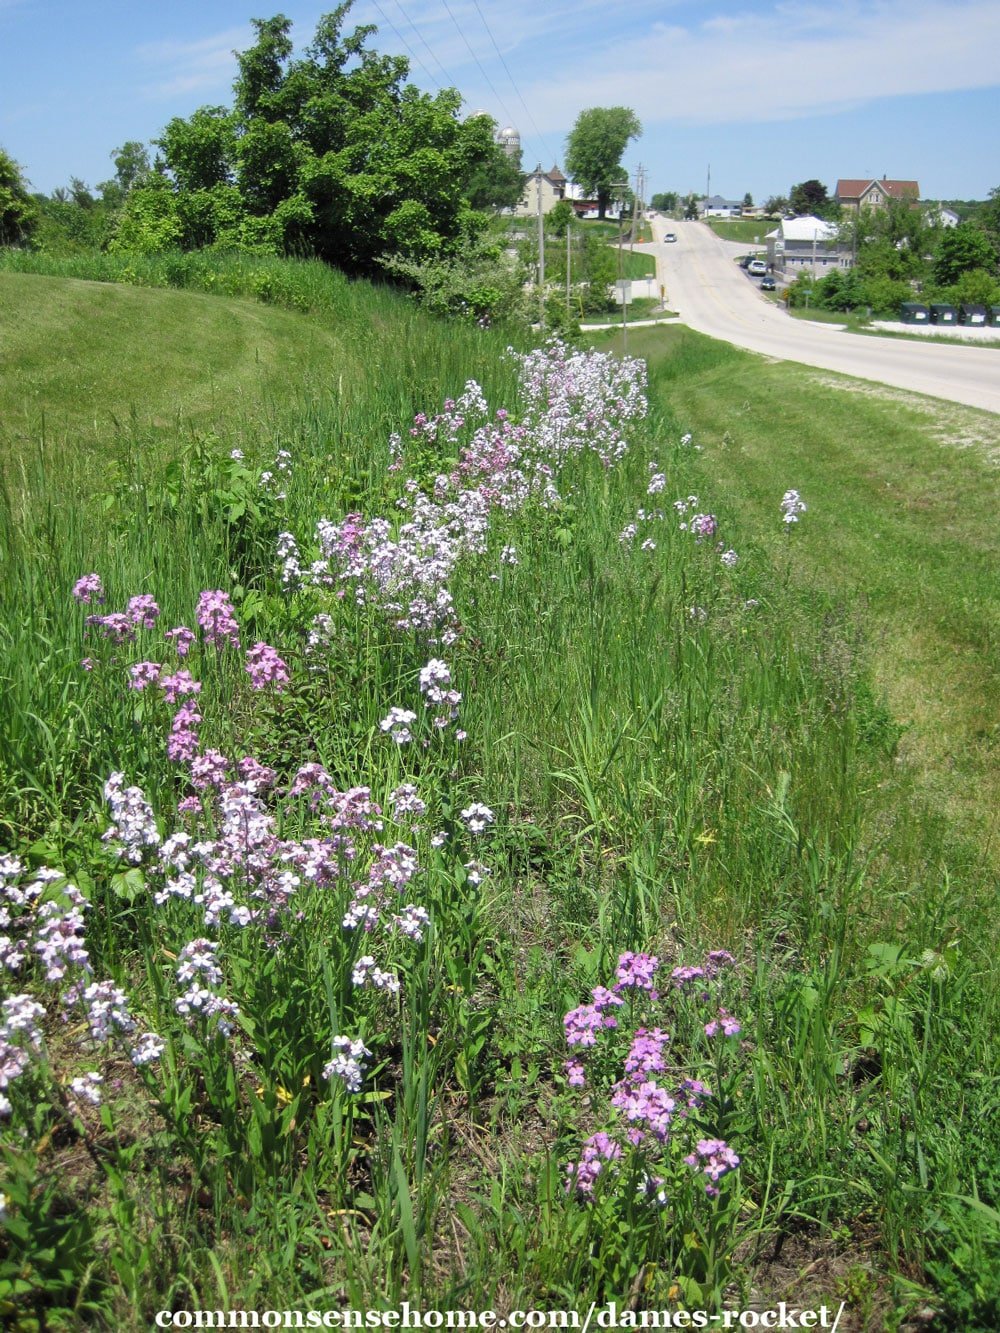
<point>682,755</point>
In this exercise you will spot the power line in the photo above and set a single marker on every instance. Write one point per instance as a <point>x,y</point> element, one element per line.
<point>420,37</point>
<point>409,49</point>
<point>510,118</point>
<point>517,91</point>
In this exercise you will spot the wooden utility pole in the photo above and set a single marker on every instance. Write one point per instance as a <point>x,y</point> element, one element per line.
<point>541,248</point>
<point>635,206</point>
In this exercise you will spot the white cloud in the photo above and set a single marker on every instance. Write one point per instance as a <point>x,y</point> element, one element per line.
<point>176,68</point>
<point>784,62</point>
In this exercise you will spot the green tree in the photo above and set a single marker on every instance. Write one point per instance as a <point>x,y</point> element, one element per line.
<point>808,197</point>
<point>990,214</point>
<point>18,212</point>
<point>150,221</point>
<point>330,153</point>
<point>961,249</point>
<point>666,202</point>
<point>478,281</point>
<point>496,181</point>
<point>559,218</point>
<point>976,286</point>
<point>891,241</point>
<point>594,150</point>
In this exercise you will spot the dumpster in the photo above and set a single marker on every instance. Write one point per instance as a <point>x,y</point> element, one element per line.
<point>972,314</point>
<point>912,312</point>
<point>943,314</point>
<point>993,318</point>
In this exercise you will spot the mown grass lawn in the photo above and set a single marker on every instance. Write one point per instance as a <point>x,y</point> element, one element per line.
<point>749,231</point>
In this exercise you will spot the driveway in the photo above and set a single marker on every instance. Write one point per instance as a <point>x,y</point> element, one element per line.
<point>712,294</point>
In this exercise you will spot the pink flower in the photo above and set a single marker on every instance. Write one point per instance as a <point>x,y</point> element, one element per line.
<point>89,589</point>
<point>265,667</point>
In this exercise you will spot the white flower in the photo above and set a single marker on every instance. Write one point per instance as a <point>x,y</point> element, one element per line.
<point>477,817</point>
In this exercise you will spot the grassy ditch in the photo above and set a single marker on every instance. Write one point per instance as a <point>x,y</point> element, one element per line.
<point>519,779</point>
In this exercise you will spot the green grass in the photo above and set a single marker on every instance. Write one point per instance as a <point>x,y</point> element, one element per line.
<point>642,307</point>
<point>66,337</point>
<point>791,759</point>
<point>889,482</point>
<point>748,231</point>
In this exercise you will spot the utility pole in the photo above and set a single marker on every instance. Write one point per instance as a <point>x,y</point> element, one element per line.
<point>541,247</point>
<point>635,207</point>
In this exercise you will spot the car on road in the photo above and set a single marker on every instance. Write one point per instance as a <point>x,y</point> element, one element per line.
<point>767,283</point>
<point>756,268</point>
<point>670,236</point>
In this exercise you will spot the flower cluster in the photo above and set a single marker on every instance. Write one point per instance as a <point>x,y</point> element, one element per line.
<point>265,667</point>
<point>792,505</point>
<point>347,1063</point>
<point>217,618</point>
<point>641,1066</point>
<point>573,402</point>
<point>42,916</point>
<point>716,1159</point>
<point>89,589</point>
<point>435,686</point>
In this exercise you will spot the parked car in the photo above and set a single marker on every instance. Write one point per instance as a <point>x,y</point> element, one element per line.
<point>767,283</point>
<point>670,236</point>
<point>756,268</point>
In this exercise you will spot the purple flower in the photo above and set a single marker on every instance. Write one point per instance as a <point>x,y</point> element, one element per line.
<point>646,1103</point>
<point>147,1049</point>
<point>182,638</point>
<point>717,960</point>
<point>575,1074</point>
<point>89,589</point>
<point>217,618</point>
<point>209,769</point>
<point>598,1151</point>
<point>583,1024</point>
<point>716,1159</point>
<point>142,674</point>
<point>347,1063</point>
<point>177,685</point>
<point>265,667</point>
<point>182,745</point>
<point>725,1023</point>
<point>646,1052</point>
<point>683,976</point>
<point>636,970</point>
<point>116,626</point>
<point>143,611</point>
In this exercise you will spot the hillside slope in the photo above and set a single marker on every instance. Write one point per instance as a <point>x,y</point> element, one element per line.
<point>84,355</point>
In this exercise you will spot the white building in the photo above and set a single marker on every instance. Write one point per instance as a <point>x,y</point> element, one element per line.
<point>805,244</point>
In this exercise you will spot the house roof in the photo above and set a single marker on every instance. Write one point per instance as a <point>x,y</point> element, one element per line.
<point>806,229</point>
<point>854,189</point>
<point>556,175</point>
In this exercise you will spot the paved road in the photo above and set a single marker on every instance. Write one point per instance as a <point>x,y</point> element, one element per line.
<point>713,295</point>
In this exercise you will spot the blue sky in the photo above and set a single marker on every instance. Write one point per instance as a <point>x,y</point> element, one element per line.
<point>763,93</point>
